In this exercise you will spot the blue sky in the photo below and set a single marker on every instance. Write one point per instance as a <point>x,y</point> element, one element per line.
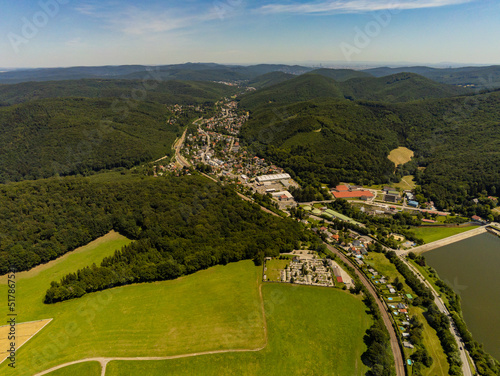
<point>52,33</point>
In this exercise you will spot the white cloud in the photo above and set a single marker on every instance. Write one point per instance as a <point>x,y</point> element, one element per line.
<point>355,6</point>
<point>135,21</point>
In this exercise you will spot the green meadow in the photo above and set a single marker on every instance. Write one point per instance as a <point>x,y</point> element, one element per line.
<point>80,369</point>
<point>431,234</point>
<point>201,312</point>
<point>312,331</point>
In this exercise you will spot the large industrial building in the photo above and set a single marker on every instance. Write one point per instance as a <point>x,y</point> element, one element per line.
<point>271,178</point>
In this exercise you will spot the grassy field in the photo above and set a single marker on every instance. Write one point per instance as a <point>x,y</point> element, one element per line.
<point>400,155</point>
<point>407,182</point>
<point>431,234</point>
<point>433,345</point>
<point>274,267</point>
<point>312,331</point>
<point>217,308</point>
<point>81,369</point>
<point>497,210</point>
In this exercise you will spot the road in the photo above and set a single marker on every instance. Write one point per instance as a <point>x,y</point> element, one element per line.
<point>179,159</point>
<point>396,350</point>
<point>466,370</point>
<point>442,242</point>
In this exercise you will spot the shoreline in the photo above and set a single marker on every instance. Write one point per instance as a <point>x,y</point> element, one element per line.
<point>442,242</point>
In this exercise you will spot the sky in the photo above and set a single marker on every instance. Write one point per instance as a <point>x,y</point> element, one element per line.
<point>59,33</point>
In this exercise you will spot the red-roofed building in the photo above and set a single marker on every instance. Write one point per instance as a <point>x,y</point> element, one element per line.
<point>341,188</point>
<point>340,280</point>
<point>428,220</point>
<point>354,194</point>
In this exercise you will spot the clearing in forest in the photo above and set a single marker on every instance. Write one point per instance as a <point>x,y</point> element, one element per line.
<point>400,155</point>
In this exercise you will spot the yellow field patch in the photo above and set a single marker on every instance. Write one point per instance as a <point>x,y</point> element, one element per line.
<point>23,332</point>
<point>400,155</point>
<point>497,210</point>
<point>407,182</point>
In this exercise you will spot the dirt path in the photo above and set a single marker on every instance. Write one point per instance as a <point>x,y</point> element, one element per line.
<point>105,360</point>
<point>396,350</point>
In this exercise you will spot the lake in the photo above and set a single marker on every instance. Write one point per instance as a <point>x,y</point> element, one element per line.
<point>472,268</point>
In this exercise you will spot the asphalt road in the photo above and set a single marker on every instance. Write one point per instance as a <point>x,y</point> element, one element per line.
<point>439,302</point>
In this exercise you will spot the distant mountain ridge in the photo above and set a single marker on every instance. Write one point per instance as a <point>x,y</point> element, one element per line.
<point>401,87</point>
<point>188,71</point>
<point>480,77</point>
<point>487,77</point>
<point>166,92</point>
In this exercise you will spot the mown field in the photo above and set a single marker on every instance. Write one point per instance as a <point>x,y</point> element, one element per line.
<point>312,331</point>
<point>218,308</point>
<point>431,234</point>
<point>81,369</point>
<point>400,156</point>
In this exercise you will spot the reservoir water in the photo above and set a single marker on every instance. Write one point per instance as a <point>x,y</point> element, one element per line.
<point>472,268</point>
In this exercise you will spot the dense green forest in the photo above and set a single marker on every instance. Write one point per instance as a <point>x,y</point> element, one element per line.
<point>480,77</point>
<point>69,136</point>
<point>148,89</point>
<point>326,140</point>
<point>186,71</point>
<point>188,219</point>
<point>401,87</point>
<point>455,140</point>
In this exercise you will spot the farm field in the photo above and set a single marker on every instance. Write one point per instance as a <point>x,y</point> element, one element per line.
<point>400,155</point>
<point>23,332</point>
<point>431,234</point>
<point>81,369</point>
<point>312,331</point>
<point>152,319</point>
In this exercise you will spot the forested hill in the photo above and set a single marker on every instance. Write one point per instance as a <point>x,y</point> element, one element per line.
<point>340,74</point>
<point>402,87</point>
<point>270,79</point>
<point>68,136</point>
<point>331,140</point>
<point>478,77</point>
<point>187,71</point>
<point>181,225</point>
<point>149,89</point>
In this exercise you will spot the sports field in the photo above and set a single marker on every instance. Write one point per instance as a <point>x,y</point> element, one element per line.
<point>312,331</point>
<point>431,234</point>
<point>400,155</point>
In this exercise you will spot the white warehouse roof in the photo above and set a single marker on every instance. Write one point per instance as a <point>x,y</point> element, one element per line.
<point>264,178</point>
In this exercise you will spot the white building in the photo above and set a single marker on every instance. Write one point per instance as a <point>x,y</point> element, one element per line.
<point>271,178</point>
